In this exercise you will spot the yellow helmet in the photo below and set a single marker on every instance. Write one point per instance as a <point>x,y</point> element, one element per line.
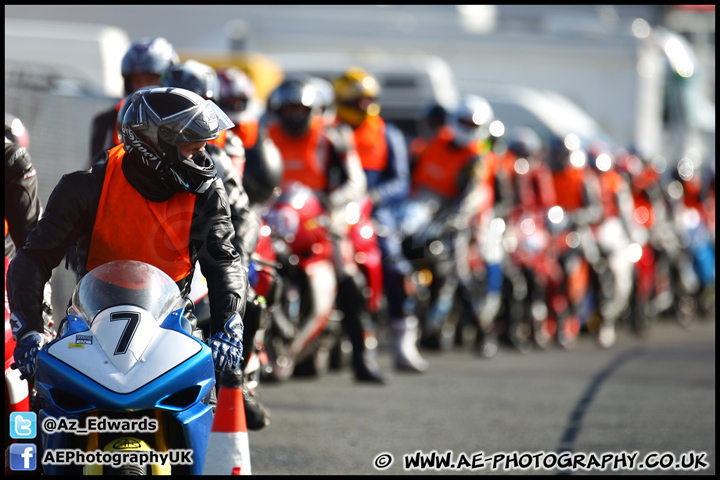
<point>356,93</point>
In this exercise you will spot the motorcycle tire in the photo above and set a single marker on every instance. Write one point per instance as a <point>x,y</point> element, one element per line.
<point>444,338</point>
<point>685,305</point>
<point>517,321</point>
<point>340,355</point>
<point>641,315</point>
<point>568,330</point>
<point>544,332</point>
<point>280,367</point>
<point>314,365</point>
<point>129,470</point>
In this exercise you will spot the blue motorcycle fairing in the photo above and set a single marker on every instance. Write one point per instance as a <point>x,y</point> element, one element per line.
<point>196,419</point>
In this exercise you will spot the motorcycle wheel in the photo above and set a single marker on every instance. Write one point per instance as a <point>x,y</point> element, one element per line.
<point>280,367</point>
<point>341,355</point>
<point>130,470</point>
<point>544,331</point>
<point>443,338</point>
<point>514,318</point>
<point>685,305</point>
<point>315,365</point>
<point>641,315</point>
<point>519,331</point>
<point>568,329</point>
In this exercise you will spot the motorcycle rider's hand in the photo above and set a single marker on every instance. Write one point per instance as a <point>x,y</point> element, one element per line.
<point>26,352</point>
<point>227,346</point>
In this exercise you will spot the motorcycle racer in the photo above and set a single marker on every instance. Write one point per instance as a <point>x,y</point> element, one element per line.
<point>324,158</point>
<point>142,65</point>
<point>384,157</point>
<point>160,172</point>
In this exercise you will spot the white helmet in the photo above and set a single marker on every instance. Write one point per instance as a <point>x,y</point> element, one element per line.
<point>471,120</point>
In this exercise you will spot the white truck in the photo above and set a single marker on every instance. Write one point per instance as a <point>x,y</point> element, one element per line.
<point>73,57</point>
<point>643,86</point>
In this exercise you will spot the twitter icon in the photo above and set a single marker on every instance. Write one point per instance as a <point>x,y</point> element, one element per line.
<point>23,425</point>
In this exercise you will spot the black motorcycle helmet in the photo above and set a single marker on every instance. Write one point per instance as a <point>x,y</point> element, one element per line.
<point>524,142</point>
<point>194,76</point>
<point>263,171</point>
<point>294,104</point>
<point>236,89</point>
<point>558,154</point>
<point>158,120</point>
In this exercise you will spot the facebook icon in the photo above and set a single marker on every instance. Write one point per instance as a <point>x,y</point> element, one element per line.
<point>23,456</point>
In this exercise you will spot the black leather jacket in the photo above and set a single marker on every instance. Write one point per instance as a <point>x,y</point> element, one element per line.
<point>22,201</point>
<point>68,222</point>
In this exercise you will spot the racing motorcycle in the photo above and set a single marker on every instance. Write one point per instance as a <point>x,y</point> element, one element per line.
<point>16,390</point>
<point>533,298</point>
<point>575,305</point>
<point>125,355</point>
<point>428,246</point>
<point>305,326</point>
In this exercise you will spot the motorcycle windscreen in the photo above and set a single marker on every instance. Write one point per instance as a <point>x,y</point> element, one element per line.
<point>124,303</point>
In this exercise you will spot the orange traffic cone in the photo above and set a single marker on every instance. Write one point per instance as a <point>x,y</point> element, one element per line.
<point>228,450</point>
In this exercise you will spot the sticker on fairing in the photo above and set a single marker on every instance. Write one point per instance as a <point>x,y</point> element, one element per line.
<point>84,339</point>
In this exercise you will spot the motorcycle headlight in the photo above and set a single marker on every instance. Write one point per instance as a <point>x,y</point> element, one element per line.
<point>634,252</point>
<point>352,213</point>
<point>284,222</point>
<point>556,214</point>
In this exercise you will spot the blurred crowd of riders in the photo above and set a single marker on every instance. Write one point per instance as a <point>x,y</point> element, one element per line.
<point>486,235</point>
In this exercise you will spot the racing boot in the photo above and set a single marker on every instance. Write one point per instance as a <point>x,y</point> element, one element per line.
<point>486,344</point>
<point>405,336</point>
<point>364,348</point>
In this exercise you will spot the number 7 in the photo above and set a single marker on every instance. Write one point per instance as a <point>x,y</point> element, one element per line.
<point>133,318</point>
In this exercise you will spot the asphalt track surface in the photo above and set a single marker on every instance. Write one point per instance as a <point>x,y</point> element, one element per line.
<point>653,395</point>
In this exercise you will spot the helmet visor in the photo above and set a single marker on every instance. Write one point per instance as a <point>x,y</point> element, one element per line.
<point>200,122</point>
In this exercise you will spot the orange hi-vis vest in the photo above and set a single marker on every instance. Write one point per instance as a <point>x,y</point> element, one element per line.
<point>220,141</point>
<point>371,145</point>
<point>247,132</point>
<point>301,156</point>
<point>116,131</point>
<point>569,184</point>
<point>440,166</point>
<point>611,183</point>
<point>130,227</point>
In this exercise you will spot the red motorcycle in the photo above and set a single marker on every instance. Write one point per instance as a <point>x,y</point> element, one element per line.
<point>16,390</point>
<point>365,250</point>
<point>534,297</point>
<point>302,306</point>
<point>573,302</point>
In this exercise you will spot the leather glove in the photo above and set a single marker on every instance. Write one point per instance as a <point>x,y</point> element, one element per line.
<point>227,346</point>
<point>26,352</point>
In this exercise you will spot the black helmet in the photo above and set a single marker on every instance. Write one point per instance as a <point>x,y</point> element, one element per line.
<point>263,171</point>
<point>236,89</point>
<point>295,103</point>
<point>524,142</point>
<point>124,108</point>
<point>430,117</point>
<point>159,119</point>
<point>147,55</point>
<point>194,76</point>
